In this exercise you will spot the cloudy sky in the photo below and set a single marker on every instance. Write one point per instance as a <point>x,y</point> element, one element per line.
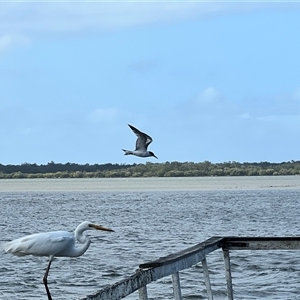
<point>216,81</point>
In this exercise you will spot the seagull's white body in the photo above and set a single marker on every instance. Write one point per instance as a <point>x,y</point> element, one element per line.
<point>142,143</point>
<point>53,244</point>
<point>138,153</point>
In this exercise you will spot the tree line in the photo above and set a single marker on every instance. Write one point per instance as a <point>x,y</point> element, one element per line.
<point>167,169</point>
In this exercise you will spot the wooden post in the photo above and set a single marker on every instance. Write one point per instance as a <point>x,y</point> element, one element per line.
<point>143,293</point>
<point>206,279</point>
<point>176,286</point>
<point>228,274</point>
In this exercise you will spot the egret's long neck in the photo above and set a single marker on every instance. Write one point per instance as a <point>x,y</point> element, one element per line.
<point>83,239</point>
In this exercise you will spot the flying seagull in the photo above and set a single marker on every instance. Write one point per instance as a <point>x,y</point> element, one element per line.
<point>142,143</point>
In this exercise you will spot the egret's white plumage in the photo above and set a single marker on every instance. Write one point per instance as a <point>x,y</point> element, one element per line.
<point>53,244</point>
<point>142,143</point>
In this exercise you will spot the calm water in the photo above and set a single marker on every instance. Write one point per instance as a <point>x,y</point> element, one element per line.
<point>152,218</point>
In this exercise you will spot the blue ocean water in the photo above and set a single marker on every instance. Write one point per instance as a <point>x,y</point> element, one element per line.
<point>150,223</point>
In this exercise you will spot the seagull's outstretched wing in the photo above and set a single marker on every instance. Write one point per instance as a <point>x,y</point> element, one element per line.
<point>143,139</point>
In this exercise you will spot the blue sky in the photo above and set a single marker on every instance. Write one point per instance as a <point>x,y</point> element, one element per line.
<point>216,81</point>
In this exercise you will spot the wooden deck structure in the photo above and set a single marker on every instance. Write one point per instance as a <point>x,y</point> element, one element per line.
<point>172,264</point>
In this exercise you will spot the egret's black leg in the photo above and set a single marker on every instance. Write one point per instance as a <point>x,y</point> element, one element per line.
<point>45,280</point>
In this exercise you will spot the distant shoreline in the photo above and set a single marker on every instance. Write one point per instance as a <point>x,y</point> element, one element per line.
<point>150,184</point>
<point>148,169</point>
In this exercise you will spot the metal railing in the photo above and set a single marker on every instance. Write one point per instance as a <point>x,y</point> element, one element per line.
<point>174,263</point>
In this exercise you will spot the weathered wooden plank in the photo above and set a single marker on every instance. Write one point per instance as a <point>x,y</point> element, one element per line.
<point>228,274</point>
<point>261,243</point>
<point>176,286</point>
<point>143,295</point>
<point>196,251</point>
<point>206,279</point>
<point>123,288</point>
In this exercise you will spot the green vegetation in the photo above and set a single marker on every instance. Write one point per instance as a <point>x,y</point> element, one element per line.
<point>167,169</point>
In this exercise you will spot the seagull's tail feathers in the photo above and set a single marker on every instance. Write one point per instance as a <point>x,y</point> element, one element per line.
<point>127,152</point>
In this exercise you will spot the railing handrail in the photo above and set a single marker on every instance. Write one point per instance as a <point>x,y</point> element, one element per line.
<point>203,248</point>
<point>176,262</point>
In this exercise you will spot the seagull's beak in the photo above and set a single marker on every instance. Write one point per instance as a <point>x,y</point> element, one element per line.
<point>99,227</point>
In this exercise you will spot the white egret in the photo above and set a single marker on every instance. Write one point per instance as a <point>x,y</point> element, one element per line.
<point>141,145</point>
<point>53,244</point>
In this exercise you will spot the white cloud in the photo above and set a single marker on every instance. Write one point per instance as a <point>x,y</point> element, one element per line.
<point>104,115</point>
<point>245,116</point>
<point>286,104</point>
<point>5,42</point>
<point>212,102</point>
<point>290,122</point>
<point>209,95</point>
<point>31,18</point>
<point>296,94</point>
<point>8,40</point>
